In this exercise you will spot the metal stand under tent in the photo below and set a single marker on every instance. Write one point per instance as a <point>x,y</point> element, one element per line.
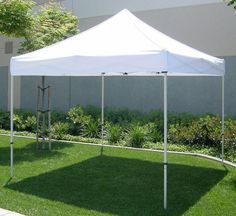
<point>127,46</point>
<point>43,109</point>
<point>102,113</point>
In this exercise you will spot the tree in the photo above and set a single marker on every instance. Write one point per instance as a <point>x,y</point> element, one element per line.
<point>52,23</point>
<point>49,23</point>
<point>232,3</point>
<point>15,17</point>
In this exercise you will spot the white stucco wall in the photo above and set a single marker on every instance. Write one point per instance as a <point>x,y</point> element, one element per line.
<point>92,8</point>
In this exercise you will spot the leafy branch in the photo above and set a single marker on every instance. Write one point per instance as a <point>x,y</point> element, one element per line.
<point>49,23</point>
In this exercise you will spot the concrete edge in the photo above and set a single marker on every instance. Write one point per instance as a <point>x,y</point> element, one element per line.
<point>138,149</point>
<point>5,212</point>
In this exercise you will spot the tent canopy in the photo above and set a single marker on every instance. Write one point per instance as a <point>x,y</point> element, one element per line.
<point>121,44</point>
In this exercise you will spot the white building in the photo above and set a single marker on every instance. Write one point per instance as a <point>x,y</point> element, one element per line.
<point>207,25</point>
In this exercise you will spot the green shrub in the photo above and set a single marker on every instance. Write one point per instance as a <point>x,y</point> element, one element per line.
<point>182,134</point>
<point>4,119</point>
<point>210,130</point>
<point>122,116</point>
<point>137,136</point>
<point>114,133</point>
<point>60,129</point>
<point>75,114</point>
<point>204,131</point>
<point>30,123</point>
<point>58,116</point>
<point>92,129</point>
<point>93,111</point>
<point>24,120</point>
<point>23,113</point>
<point>153,132</point>
<point>153,116</point>
<point>230,137</point>
<point>136,127</point>
<point>78,120</point>
<point>184,119</point>
<point>19,123</point>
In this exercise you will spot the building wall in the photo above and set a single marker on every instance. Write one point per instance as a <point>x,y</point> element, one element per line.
<point>94,8</point>
<point>3,87</point>
<point>185,94</point>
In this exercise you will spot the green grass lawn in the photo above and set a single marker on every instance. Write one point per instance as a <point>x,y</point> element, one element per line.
<point>77,180</point>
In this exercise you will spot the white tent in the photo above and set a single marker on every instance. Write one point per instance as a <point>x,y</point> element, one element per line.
<point>122,45</point>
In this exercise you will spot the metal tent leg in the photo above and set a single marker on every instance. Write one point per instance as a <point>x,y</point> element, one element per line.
<point>102,113</point>
<point>165,141</point>
<point>37,119</point>
<point>223,120</point>
<point>43,113</point>
<point>11,125</point>
<point>49,118</point>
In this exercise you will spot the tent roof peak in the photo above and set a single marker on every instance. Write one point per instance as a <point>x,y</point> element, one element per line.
<point>122,43</point>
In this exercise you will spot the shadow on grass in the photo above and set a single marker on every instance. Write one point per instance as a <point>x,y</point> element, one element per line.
<point>123,186</point>
<point>233,182</point>
<point>29,152</point>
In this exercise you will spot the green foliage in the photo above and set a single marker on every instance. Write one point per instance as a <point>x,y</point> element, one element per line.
<point>58,116</point>
<point>92,129</point>
<point>114,133</point>
<point>231,3</point>
<point>122,116</point>
<point>52,23</point>
<point>153,133</point>
<point>48,24</point>
<point>19,122</point>
<point>78,120</point>
<point>92,111</point>
<point>76,114</point>
<point>30,123</point>
<point>16,18</point>
<point>60,129</point>
<point>204,131</point>
<point>230,138</point>
<point>24,120</point>
<point>181,118</point>
<point>137,136</point>
<point>4,119</point>
<point>82,139</point>
<point>146,129</point>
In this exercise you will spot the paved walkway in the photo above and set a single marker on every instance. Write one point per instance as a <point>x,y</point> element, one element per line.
<point>4,212</point>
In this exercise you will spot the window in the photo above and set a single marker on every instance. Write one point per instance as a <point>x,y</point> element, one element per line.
<point>8,47</point>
